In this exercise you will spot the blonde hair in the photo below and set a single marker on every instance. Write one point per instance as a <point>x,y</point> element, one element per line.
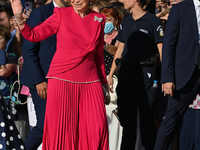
<point>167,11</point>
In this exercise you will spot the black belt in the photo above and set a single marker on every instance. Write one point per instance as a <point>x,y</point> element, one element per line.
<point>135,62</point>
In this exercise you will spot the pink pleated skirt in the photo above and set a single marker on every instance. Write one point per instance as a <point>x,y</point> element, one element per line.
<point>75,117</point>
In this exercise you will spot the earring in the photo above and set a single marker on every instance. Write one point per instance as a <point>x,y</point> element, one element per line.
<point>116,28</point>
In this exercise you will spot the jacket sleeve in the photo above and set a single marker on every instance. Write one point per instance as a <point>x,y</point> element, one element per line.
<point>30,51</point>
<point>169,46</point>
<point>2,57</point>
<point>99,57</point>
<point>44,30</point>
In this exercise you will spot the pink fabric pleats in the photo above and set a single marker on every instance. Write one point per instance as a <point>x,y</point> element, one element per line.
<point>75,117</point>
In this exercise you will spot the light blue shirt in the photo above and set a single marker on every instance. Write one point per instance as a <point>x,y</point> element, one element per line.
<point>12,36</point>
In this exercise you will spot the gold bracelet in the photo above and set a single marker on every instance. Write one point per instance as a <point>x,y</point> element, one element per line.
<point>20,22</point>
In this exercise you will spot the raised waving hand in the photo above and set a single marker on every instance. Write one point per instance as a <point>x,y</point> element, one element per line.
<point>17,11</point>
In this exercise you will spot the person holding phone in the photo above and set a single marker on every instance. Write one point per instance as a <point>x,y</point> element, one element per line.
<point>161,6</point>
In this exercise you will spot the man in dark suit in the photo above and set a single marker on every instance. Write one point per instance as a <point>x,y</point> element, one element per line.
<point>180,67</point>
<point>37,58</point>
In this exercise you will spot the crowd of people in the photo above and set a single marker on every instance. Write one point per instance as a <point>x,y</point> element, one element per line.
<point>73,56</point>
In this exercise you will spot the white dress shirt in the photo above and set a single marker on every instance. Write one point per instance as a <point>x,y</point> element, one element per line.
<point>55,5</point>
<point>197,9</point>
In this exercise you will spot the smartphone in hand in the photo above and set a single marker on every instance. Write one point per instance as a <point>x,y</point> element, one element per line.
<point>28,6</point>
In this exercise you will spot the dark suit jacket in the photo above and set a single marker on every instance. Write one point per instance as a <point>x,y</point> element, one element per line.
<point>11,47</point>
<point>37,56</point>
<point>180,45</point>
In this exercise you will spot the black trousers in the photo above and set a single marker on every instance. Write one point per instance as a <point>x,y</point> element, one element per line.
<point>134,90</point>
<point>177,106</point>
<point>189,130</point>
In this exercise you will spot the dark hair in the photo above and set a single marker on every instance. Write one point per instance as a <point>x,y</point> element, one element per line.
<point>92,2</point>
<point>120,8</point>
<point>3,3</point>
<point>143,2</point>
<point>4,32</point>
<point>8,10</point>
<point>151,6</point>
<point>99,4</point>
<point>110,11</point>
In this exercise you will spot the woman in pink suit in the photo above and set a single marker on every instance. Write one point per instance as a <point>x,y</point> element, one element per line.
<point>75,112</point>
